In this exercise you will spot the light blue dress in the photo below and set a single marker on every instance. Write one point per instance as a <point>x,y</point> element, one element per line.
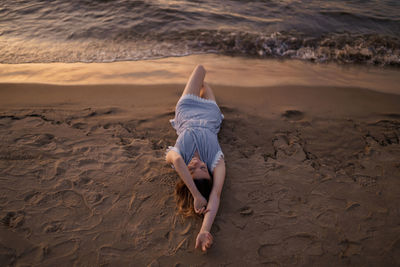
<point>197,122</point>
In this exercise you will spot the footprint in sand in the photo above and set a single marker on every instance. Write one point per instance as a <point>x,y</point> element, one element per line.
<point>38,140</point>
<point>44,139</point>
<point>303,243</point>
<point>256,195</point>
<point>63,185</point>
<point>327,218</point>
<point>294,115</point>
<point>288,146</point>
<point>269,251</point>
<point>14,219</point>
<point>80,125</point>
<point>60,167</point>
<point>365,181</point>
<point>107,251</point>
<point>85,162</point>
<point>32,197</point>
<point>93,198</point>
<point>50,198</point>
<point>71,198</point>
<point>297,244</point>
<point>57,170</point>
<point>246,211</point>
<point>350,248</point>
<point>82,181</point>
<point>52,227</point>
<point>61,249</point>
<point>103,111</point>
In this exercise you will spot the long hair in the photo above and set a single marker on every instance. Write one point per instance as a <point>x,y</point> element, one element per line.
<point>184,199</point>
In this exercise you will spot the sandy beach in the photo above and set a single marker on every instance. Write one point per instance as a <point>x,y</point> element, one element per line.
<point>313,168</point>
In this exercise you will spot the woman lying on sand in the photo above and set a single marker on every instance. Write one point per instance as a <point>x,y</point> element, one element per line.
<point>197,156</point>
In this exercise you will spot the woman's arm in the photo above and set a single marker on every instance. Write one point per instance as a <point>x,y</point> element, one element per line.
<point>204,238</point>
<point>199,201</point>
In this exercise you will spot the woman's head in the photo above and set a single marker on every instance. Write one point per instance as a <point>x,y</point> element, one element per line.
<point>203,181</point>
<point>198,169</point>
<point>201,176</point>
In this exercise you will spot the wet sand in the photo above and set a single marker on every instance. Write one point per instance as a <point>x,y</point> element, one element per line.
<point>313,177</point>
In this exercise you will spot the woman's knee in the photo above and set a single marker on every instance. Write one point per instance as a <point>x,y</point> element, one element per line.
<point>195,82</point>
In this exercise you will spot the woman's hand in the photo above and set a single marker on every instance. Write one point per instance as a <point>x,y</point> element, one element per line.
<point>200,204</point>
<point>204,240</point>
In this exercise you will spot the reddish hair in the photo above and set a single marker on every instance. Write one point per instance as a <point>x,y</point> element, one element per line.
<point>184,199</point>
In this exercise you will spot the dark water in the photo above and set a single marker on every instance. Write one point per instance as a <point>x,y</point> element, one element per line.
<point>103,31</point>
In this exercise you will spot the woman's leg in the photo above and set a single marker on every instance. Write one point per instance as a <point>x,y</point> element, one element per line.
<point>206,92</point>
<point>195,82</point>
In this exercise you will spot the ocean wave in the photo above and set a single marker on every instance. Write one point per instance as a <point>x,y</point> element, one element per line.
<point>365,32</point>
<point>342,48</point>
<point>348,16</point>
<point>345,48</point>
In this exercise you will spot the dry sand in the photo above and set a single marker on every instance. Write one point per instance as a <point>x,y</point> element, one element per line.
<point>313,177</point>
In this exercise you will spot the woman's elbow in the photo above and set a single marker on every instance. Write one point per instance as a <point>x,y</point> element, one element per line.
<point>171,157</point>
<point>176,159</point>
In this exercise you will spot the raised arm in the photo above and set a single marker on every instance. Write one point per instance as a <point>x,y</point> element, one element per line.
<point>199,201</point>
<point>204,239</point>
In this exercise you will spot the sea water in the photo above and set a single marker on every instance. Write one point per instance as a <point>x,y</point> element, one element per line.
<point>354,31</point>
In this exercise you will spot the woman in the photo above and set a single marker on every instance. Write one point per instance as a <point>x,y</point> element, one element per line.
<point>197,156</point>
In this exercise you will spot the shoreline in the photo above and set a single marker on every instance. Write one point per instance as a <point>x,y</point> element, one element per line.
<point>221,70</point>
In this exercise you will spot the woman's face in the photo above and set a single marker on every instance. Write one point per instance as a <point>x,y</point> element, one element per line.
<point>198,169</point>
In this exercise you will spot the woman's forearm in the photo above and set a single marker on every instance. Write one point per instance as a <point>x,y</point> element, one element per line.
<point>213,203</point>
<point>184,173</point>
<point>212,207</point>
